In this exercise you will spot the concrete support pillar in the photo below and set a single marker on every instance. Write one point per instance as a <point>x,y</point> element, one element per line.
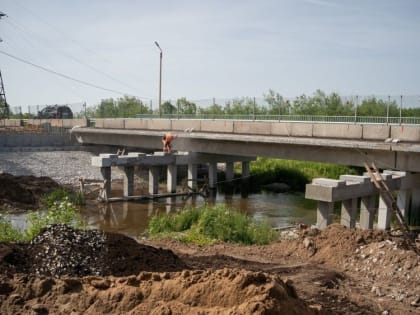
<point>192,176</point>
<point>324,214</point>
<point>384,215</point>
<point>154,180</point>
<point>367,212</point>
<point>349,212</point>
<point>403,202</point>
<point>229,178</point>
<point>245,179</point>
<point>171,178</point>
<point>106,175</point>
<point>415,207</point>
<point>128,181</point>
<point>213,175</point>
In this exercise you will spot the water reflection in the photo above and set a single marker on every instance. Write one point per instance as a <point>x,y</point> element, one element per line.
<point>132,218</point>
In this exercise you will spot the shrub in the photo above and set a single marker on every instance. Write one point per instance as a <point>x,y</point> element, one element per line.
<point>59,212</point>
<point>7,232</point>
<point>206,225</point>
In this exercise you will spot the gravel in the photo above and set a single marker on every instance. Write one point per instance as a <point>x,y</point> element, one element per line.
<point>65,167</point>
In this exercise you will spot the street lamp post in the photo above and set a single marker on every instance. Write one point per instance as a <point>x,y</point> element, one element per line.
<point>160,79</point>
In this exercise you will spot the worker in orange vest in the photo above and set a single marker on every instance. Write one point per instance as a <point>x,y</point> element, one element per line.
<point>166,140</point>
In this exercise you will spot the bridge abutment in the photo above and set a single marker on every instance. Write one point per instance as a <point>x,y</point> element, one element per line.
<point>358,196</point>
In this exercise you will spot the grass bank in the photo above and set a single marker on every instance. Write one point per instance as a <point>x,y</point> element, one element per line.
<point>296,174</point>
<point>59,207</point>
<point>206,225</point>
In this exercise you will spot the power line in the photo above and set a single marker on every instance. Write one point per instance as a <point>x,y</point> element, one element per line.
<point>65,35</point>
<point>34,35</point>
<point>68,77</point>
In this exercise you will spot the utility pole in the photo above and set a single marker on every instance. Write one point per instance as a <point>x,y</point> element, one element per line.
<point>4,107</point>
<point>160,78</point>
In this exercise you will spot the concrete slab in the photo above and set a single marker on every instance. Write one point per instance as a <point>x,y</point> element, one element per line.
<point>406,133</point>
<point>160,124</point>
<point>182,124</point>
<point>225,126</point>
<point>252,127</point>
<point>136,123</point>
<point>342,131</point>
<point>376,132</point>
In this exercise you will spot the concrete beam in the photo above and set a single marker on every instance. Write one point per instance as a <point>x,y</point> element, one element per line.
<point>347,191</point>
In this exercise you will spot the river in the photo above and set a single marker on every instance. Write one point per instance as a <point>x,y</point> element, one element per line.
<point>131,218</point>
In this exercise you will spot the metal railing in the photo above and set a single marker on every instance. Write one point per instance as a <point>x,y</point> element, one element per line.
<point>293,118</point>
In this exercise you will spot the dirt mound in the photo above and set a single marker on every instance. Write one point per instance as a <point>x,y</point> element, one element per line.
<point>60,250</point>
<point>65,270</point>
<point>24,192</point>
<point>228,291</point>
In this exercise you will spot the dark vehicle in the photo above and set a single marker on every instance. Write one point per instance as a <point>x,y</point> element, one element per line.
<point>55,111</point>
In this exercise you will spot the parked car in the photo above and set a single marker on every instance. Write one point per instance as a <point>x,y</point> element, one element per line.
<point>55,111</point>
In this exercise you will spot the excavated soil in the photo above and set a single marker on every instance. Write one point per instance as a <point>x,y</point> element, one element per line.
<point>24,192</point>
<point>333,271</point>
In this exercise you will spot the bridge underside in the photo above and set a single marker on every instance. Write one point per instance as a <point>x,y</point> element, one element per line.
<point>401,156</point>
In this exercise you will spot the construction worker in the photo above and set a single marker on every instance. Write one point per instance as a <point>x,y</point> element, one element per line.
<point>166,140</point>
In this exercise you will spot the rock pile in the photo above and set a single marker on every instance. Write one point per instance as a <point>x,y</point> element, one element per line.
<point>60,250</point>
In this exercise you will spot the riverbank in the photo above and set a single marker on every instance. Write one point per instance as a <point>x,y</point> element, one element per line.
<point>306,271</point>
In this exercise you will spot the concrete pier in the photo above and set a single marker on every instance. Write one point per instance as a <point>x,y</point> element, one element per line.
<point>154,162</point>
<point>351,190</point>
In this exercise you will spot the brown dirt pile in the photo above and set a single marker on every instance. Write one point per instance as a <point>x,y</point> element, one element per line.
<point>228,291</point>
<point>125,277</point>
<point>24,192</point>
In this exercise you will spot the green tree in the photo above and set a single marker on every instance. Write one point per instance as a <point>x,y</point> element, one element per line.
<point>185,107</point>
<point>126,106</point>
<point>276,103</point>
<point>374,107</point>
<point>168,109</point>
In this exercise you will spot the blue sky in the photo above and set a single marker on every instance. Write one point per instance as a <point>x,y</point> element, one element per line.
<point>215,48</point>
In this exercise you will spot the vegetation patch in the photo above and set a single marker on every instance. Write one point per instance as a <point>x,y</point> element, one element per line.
<point>207,225</point>
<point>60,209</point>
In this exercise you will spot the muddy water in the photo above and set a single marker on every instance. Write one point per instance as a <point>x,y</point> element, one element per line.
<point>131,218</point>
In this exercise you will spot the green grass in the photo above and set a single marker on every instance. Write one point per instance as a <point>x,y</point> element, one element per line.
<point>60,209</point>
<point>206,225</point>
<point>296,174</point>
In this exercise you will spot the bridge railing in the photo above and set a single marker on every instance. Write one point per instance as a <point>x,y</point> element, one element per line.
<point>300,118</point>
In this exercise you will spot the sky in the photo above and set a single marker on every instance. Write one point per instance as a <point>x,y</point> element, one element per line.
<point>60,51</point>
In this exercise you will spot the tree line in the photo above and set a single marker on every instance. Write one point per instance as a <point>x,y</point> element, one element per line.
<point>319,103</point>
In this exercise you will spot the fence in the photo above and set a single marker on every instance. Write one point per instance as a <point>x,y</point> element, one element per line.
<point>252,104</point>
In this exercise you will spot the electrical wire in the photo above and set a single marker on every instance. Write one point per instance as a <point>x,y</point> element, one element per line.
<point>63,34</point>
<point>69,77</point>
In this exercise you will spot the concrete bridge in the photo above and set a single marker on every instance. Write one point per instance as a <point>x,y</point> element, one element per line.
<point>391,146</point>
